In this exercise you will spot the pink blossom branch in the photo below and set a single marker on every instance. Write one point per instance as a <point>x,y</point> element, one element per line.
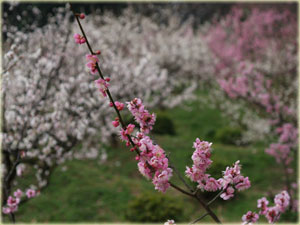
<point>194,195</point>
<point>101,75</point>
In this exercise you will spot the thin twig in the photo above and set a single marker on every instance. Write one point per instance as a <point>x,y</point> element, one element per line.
<point>211,201</point>
<point>200,218</point>
<point>13,219</point>
<point>181,178</point>
<point>207,208</point>
<point>181,190</point>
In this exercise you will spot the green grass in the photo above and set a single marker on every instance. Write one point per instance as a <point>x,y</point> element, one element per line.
<point>93,192</point>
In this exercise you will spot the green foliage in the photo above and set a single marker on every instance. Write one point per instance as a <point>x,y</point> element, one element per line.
<point>228,135</point>
<point>154,208</point>
<point>289,216</point>
<point>163,124</point>
<point>210,135</point>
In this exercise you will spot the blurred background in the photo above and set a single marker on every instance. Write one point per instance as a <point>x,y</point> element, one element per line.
<point>226,73</point>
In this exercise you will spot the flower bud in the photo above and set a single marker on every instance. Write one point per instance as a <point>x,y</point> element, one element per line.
<point>82,16</point>
<point>115,123</point>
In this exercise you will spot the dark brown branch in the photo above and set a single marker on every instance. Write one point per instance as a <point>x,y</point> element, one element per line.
<point>181,178</point>
<point>181,190</point>
<point>207,208</point>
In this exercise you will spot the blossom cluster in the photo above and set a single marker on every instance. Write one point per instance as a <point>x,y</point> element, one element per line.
<point>102,85</point>
<point>79,39</point>
<point>272,214</point>
<point>153,163</point>
<point>202,161</point>
<point>92,60</point>
<point>152,160</point>
<point>231,181</point>
<point>124,133</point>
<point>250,217</point>
<point>12,203</point>
<point>141,115</point>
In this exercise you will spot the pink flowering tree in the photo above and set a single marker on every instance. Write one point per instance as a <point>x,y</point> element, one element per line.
<point>256,65</point>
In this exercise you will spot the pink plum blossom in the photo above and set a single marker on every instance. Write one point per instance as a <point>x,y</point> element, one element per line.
<point>170,222</point>
<point>212,184</point>
<point>272,214</point>
<point>141,115</point>
<point>119,105</point>
<point>31,193</point>
<point>79,39</point>
<point>161,179</point>
<point>92,61</point>
<point>282,201</point>
<point>18,193</point>
<point>102,86</point>
<point>6,210</point>
<point>228,193</point>
<point>144,169</point>
<point>127,131</point>
<point>11,201</point>
<point>250,217</point>
<point>10,209</point>
<point>243,184</point>
<point>232,176</point>
<point>153,163</point>
<point>262,204</point>
<point>201,162</point>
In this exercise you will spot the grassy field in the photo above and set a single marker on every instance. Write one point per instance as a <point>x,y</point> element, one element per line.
<point>92,192</point>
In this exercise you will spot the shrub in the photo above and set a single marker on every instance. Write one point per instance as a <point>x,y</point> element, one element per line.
<point>164,125</point>
<point>154,208</point>
<point>228,135</point>
<point>210,135</point>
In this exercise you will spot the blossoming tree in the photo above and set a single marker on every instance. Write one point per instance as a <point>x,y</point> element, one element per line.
<point>50,105</point>
<point>256,51</point>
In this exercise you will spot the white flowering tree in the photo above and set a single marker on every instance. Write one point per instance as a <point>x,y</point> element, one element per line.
<point>50,105</point>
